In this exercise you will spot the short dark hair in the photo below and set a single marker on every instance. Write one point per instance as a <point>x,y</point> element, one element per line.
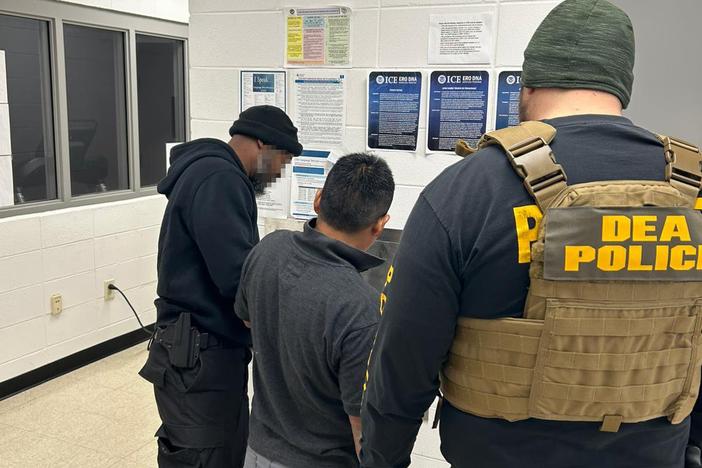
<point>358,192</point>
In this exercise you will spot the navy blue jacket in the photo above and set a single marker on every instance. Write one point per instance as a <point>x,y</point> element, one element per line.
<point>459,256</point>
<point>208,229</point>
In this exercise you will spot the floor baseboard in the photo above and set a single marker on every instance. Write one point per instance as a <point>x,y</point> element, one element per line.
<point>70,363</point>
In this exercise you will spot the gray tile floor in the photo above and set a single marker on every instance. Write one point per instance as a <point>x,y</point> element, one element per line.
<point>104,415</point>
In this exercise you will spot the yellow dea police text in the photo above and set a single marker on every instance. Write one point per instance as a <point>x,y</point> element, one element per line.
<point>630,243</point>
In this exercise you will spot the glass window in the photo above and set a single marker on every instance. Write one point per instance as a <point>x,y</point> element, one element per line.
<point>27,161</point>
<point>97,117</point>
<point>161,95</point>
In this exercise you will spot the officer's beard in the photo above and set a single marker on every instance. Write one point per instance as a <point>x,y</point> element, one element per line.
<point>259,185</point>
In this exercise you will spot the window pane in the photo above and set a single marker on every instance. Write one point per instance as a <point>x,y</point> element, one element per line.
<point>97,123</point>
<point>27,162</point>
<point>161,96</point>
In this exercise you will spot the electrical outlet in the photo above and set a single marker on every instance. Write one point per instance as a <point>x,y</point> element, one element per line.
<point>56,304</point>
<point>109,293</point>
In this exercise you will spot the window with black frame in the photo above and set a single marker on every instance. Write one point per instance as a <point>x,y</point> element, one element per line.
<point>27,156</point>
<point>97,116</point>
<point>161,96</point>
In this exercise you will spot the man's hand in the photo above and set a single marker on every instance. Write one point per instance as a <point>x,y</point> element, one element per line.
<point>693,457</point>
<point>356,429</point>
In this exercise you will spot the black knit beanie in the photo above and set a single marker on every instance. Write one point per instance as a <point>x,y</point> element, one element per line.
<point>270,125</point>
<point>583,44</point>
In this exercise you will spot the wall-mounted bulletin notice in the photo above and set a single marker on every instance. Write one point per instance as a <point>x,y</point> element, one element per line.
<point>461,38</point>
<point>509,86</point>
<point>262,88</point>
<point>309,173</point>
<point>393,109</point>
<point>318,36</point>
<point>318,107</point>
<point>458,108</point>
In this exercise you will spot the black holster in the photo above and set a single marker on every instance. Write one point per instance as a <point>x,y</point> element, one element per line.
<point>182,341</point>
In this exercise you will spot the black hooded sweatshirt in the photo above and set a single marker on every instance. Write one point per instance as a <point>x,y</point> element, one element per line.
<point>208,229</point>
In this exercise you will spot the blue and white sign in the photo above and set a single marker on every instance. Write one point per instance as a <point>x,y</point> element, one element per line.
<point>458,107</point>
<point>309,172</point>
<point>393,109</point>
<point>508,88</point>
<point>263,82</point>
<point>258,87</point>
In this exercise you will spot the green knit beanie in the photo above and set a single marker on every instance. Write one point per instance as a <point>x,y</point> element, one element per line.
<point>582,44</point>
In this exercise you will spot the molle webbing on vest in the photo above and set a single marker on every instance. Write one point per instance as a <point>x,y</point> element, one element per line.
<point>612,194</point>
<point>585,361</point>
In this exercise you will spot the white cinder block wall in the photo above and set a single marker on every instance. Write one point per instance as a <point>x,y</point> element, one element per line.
<point>228,36</point>
<point>72,252</point>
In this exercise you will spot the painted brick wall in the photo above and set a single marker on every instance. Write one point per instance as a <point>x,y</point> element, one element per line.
<point>227,36</point>
<point>72,252</point>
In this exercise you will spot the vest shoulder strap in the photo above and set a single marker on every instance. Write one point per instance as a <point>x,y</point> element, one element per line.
<point>509,136</point>
<point>683,168</point>
<point>527,149</point>
<point>512,136</point>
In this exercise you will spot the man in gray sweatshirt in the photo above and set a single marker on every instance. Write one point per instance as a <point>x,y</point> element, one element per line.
<point>313,320</point>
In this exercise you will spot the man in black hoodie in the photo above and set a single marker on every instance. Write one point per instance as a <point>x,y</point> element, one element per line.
<point>200,352</point>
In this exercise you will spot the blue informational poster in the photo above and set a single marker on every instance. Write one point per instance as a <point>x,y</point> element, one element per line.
<point>458,103</point>
<point>508,88</point>
<point>263,82</point>
<point>393,109</point>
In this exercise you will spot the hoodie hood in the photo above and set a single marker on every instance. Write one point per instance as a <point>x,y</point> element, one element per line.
<point>182,156</point>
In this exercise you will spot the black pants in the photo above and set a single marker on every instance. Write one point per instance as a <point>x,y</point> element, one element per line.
<point>204,410</point>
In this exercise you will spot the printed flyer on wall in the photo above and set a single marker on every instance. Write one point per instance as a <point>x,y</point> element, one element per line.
<point>318,36</point>
<point>509,86</point>
<point>461,38</point>
<point>458,108</point>
<point>394,99</point>
<point>309,172</point>
<point>262,88</point>
<point>318,107</point>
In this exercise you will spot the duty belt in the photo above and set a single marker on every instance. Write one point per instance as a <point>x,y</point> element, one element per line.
<point>165,337</point>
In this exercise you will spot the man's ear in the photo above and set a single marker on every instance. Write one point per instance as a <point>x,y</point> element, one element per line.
<point>528,91</point>
<point>377,228</point>
<point>317,201</point>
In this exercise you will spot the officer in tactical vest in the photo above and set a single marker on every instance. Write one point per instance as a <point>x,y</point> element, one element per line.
<point>550,284</point>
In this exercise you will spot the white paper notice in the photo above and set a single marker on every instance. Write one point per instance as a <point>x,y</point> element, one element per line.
<point>262,88</point>
<point>169,147</point>
<point>319,107</point>
<point>308,176</point>
<point>461,38</point>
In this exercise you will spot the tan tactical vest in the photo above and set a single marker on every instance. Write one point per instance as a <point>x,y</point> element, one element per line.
<point>612,324</point>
